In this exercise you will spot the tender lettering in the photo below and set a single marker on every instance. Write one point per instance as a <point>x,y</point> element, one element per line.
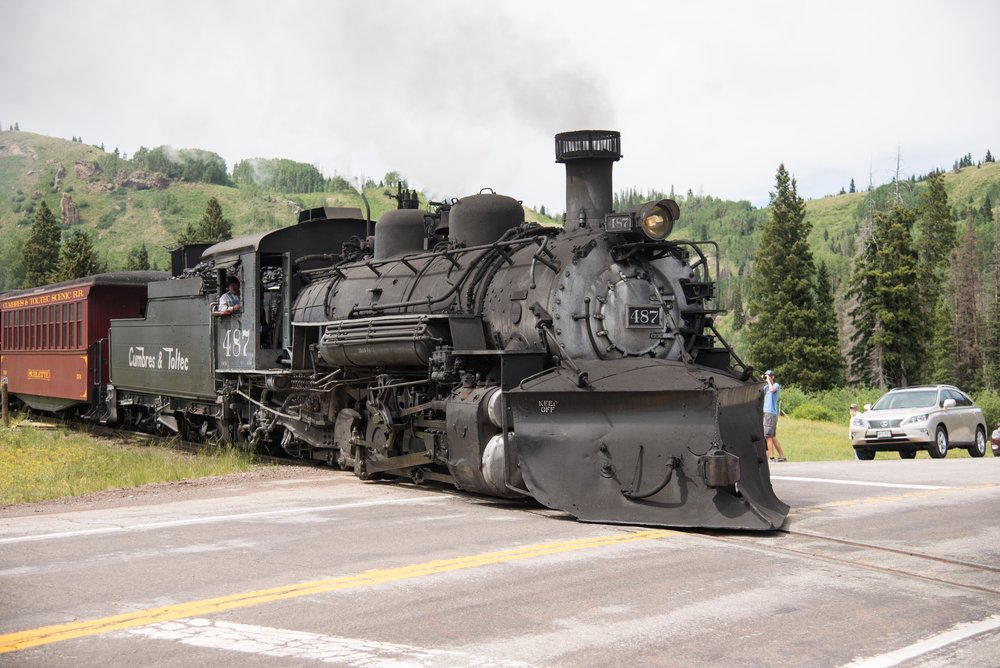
<point>170,359</point>
<point>138,359</point>
<point>176,361</point>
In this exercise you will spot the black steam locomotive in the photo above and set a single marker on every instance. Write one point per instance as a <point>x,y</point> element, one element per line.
<point>578,366</point>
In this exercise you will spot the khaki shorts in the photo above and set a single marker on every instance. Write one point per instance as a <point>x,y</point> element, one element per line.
<point>770,424</point>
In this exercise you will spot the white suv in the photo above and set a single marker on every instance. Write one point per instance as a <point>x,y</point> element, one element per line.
<point>931,417</point>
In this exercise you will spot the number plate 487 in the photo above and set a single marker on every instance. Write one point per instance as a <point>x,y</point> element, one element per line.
<point>645,317</point>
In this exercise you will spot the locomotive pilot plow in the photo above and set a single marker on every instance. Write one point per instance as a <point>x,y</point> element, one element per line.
<point>648,442</point>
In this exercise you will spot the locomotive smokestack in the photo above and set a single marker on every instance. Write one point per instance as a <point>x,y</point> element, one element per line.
<point>589,156</point>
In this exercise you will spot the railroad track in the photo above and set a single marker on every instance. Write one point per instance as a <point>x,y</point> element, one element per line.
<point>195,447</point>
<point>912,564</point>
<point>897,561</point>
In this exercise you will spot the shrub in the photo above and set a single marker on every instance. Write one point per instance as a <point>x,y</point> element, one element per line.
<point>813,411</point>
<point>106,221</point>
<point>830,405</point>
<point>791,399</point>
<point>989,401</point>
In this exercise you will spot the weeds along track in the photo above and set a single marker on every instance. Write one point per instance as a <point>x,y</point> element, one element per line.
<point>176,443</point>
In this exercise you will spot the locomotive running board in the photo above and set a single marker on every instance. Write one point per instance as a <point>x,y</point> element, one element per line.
<point>647,442</point>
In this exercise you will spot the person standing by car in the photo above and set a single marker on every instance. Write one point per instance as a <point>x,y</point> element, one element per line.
<point>996,441</point>
<point>771,395</point>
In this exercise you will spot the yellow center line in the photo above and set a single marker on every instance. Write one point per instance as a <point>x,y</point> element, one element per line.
<point>20,640</point>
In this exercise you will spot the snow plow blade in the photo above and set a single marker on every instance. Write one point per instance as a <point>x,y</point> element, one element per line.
<point>648,442</point>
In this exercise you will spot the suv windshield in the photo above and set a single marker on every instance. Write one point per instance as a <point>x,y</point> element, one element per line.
<point>916,399</point>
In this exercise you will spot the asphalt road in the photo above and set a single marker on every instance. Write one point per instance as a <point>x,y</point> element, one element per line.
<point>880,563</point>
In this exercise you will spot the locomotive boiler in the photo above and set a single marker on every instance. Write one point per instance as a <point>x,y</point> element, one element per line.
<point>578,366</point>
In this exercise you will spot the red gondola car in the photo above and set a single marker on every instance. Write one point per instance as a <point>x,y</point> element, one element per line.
<point>53,346</point>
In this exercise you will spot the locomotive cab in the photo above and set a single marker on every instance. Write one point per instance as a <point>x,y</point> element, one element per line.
<point>272,267</point>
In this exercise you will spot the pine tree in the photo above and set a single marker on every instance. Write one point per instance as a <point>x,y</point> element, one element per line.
<point>41,250</point>
<point>782,305</point>
<point>991,339</point>
<point>937,229</point>
<point>941,353</point>
<point>965,280</point>
<point>138,259</point>
<point>189,235</point>
<point>78,258</point>
<point>739,315</point>
<point>887,345</point>
<point>829,362</point>
<point>213,226</point>
<point>987,210</point>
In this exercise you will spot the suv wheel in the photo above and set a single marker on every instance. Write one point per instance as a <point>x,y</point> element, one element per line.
<point>865,453</point>
<point>939,448</point>
<point>907,454</point>
<point>979,449</point>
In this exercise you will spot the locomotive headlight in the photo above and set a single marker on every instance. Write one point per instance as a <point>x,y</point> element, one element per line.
<point>656,219</point>
<point>656,226</point>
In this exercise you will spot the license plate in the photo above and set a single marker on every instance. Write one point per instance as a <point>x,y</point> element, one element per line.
<point>885,433</point>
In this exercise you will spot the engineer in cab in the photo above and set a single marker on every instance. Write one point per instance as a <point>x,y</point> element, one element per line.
<point>229,302</point>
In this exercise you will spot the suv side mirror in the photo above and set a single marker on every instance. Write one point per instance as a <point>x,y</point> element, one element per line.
<point>868,407</point>
<point>948,403</point>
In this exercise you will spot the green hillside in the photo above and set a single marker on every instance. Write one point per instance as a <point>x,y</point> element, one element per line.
<point>124,207</point>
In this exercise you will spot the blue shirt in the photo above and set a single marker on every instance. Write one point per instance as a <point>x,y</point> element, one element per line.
<point>771,399</point>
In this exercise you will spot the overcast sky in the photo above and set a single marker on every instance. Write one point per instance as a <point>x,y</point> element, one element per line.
<point>461,95</point>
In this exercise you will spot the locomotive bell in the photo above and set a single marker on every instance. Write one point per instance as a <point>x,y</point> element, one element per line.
<point>589,156</point>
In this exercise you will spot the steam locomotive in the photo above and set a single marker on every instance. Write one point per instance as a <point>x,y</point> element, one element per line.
<point>578,366</point>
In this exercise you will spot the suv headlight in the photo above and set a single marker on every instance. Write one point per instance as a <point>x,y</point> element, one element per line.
<point>860,422</point>
<point>914,419</point>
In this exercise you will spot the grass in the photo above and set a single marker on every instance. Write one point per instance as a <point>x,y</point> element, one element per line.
<point>815,441</point>
<point>37,464</point>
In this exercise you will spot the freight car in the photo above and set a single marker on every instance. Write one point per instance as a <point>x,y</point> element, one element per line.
<point>578,366</point>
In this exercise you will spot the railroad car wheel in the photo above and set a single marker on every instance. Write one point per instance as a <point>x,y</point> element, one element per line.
<point>939,448</point>
<point>865,453</point>
<point>979,449</point>
<point>907,454</point>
